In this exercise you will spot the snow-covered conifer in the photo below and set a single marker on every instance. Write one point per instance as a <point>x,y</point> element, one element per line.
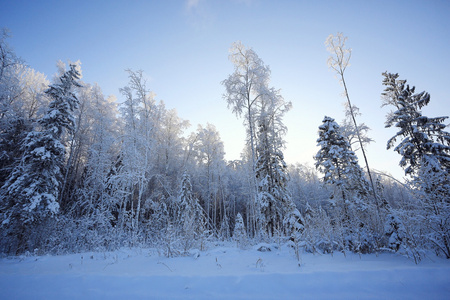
<point>425,150</point>
<point>394,231</point>
<point>245,89</point>
<point>276,208</point>
<point>239,233</point>
<point>31,193</point>
<point>425,144</point>
<point>341,170</point>
<point>338,162</point>
<point>191,216</point>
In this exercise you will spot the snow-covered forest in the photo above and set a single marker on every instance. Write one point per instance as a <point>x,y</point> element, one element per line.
<point>83,172</point>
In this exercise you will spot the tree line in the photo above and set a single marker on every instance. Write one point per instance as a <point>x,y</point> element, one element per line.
<point>81,172</point>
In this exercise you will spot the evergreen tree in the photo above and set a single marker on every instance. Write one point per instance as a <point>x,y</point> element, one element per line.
<point>245,89</point>
<point>425,150</point>
<point>338,162</point>
<point>270,208</point>
<point>310,230</point>
<point>60,115</point>
<point>31,193</point>
<point>239,233</point>
<point>341,171</point>
<point>276,208</point>
<point>425,144</point>
<point>191,217</point>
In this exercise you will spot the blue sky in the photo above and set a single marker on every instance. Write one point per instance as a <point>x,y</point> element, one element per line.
<point>182,46</point>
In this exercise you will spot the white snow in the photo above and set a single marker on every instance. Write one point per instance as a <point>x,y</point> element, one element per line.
<point>223,273</point>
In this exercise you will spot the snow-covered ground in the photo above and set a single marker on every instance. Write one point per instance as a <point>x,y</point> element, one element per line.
<point>223,273</point>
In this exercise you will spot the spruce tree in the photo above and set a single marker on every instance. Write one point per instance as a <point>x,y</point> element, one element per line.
<point>338,162</point>
<point>276,208</point>
<point>239,233</point>
<point>31,193</point>
<point>341,170</point>
<point>270,210</point>
<point>425,149</point>
<point>191,216</point>
<point>245,89</point>
<point>425,144</point>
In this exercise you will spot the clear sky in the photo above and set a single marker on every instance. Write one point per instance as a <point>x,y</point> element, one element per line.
<point>182,46</point>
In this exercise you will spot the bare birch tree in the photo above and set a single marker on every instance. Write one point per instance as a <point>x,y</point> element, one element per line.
<point>244,89</point>
<point>339,61</point>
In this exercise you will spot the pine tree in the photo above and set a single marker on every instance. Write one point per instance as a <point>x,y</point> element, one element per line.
<point>425,150</point>
<point>338,162</point>
<point>276,208</point>
<point>310,230</point>
<point>395,231</point>
<point>31,193</point>
<point>270,208</point>
<point>342,172</point>
<point>245,89</point>
<point>191,216</point>
<point>239,233</point>
<point>425,144</point>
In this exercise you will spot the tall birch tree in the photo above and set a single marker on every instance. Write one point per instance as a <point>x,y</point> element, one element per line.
<point>339,61</point>
<point>244,89</point>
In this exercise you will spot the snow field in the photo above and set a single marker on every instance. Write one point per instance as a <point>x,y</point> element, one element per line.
<point>223,273</point>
